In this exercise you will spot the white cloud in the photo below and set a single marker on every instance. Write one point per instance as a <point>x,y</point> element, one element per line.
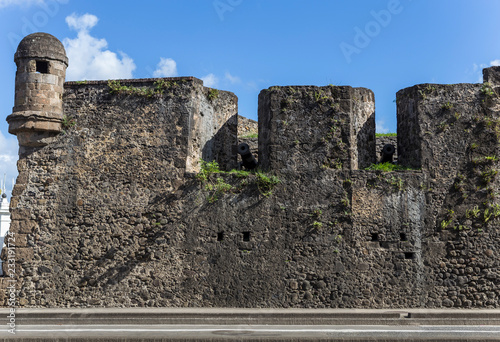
<point>81,23</point>
<point>210,80</point>
<point>8,159</point>
<point>23,3</point>
<point>166,68</point>
<point>254,85</point>
<point>88,57</point>
<point>231,78</point>
<point>380,128</point>
<point>496,62</point>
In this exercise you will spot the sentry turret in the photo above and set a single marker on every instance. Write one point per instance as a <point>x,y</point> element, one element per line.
<point>41,69</point>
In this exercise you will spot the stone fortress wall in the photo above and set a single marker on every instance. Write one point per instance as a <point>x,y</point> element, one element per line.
<point>108,210</point>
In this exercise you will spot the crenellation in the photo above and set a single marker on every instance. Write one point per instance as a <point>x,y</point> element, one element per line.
<point>113,211</point>
<point>326,124</point>
<point>428,116</point>
<point>363,146</point>
<point>492,76</point>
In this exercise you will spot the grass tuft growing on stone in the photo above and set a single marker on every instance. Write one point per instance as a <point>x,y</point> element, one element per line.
<point>265,183</point>
<point>68,122</point>
<point>207,168</point>
<point>387,167</point>
<point>250,136</point>
<point>115,87</point>
<point>383,135</point>
<point>213,94</point>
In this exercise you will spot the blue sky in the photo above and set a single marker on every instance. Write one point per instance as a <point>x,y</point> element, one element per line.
<point>245,46</point>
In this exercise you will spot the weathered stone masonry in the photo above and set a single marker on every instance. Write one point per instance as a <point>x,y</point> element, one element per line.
<point>108,212</point>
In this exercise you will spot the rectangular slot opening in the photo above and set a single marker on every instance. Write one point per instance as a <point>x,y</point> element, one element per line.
<point>375,236</point>
<point>409,255</point>
<point>42,67</point>
<point>402,237</point>
<point>220,236</point>
<point>246,236</point>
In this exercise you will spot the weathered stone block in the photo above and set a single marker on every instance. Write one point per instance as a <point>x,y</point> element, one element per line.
<point>23,254</point>
<point>21,240</point>
<point>432,125</point>
<point>310,128</point>
<point>24,226</point>
<point>20,214</point>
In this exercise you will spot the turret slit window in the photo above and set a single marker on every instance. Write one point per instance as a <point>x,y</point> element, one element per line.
<point>246,236</point>
<point>42,67</point>
<point>220,236</point>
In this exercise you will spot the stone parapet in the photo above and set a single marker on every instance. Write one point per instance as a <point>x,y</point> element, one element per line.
<point>313,128</point>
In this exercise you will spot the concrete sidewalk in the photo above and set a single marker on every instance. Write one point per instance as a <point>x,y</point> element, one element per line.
<point>227,324</point>
<point>145,316</point>
<point>254,333</point>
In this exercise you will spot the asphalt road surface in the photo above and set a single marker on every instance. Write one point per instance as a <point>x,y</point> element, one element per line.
<point>251,332</point>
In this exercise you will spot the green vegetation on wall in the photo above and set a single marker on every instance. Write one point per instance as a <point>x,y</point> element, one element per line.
<point>383,135</point>
<point>115,87</point>
<point>217,186</point>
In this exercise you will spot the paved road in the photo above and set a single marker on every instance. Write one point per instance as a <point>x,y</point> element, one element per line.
<point>252,332</point>
<point>229,324</point>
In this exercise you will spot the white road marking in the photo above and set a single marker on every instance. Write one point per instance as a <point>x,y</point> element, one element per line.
<point>481,329</point>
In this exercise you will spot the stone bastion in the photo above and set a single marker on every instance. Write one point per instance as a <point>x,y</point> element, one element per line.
<point>129,195</point>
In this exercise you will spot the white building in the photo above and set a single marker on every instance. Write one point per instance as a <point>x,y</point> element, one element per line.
<point>4,216</point>
<point>4,221</point>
